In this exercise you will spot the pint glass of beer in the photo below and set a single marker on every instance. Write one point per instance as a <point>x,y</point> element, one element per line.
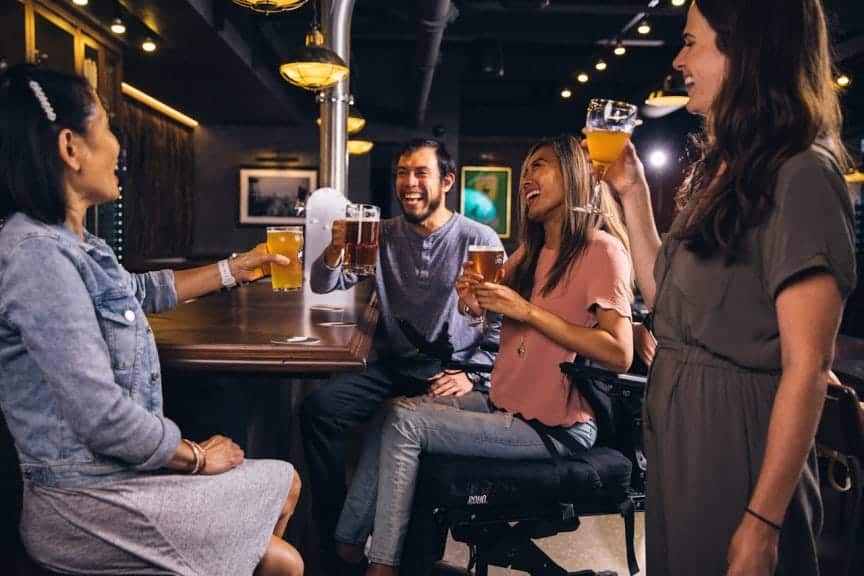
<point>488,261</point>
<point>288,241</point>
<point>362,224</point>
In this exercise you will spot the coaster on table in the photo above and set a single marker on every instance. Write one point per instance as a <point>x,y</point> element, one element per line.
<point>294,340</point>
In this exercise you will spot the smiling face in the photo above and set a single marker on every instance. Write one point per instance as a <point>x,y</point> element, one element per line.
<point>542,185</point>
<point>701,62</point>
<point>420,187</point>
<point>94,177</point>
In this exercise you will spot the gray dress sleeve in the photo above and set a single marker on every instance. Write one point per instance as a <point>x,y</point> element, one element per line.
<point>811,226</point>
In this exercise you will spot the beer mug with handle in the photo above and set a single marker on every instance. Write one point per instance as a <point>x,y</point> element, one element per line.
<point>362,226</point>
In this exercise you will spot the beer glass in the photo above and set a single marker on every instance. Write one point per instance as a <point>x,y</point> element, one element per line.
<point>288,241</point>
<point>487,261</point>
<point>362,225</point>
<point>608,126</point>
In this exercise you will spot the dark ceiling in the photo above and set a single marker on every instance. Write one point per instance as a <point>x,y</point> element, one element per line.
<point>502,62</point>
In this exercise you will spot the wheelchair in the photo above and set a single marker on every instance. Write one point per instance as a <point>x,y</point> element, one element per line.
<point>497,506</point>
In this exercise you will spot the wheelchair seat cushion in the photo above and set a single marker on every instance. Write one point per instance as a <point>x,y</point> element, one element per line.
<point>593,481</point>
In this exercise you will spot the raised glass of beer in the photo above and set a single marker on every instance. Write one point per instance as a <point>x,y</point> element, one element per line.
<point>608,126</point>
<point>362,225</point>
<point>488,261</point>
<point>288,241</point>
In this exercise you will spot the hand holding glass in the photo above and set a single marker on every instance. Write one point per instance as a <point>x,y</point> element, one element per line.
<point>487,261</point>
<point>608,126</point>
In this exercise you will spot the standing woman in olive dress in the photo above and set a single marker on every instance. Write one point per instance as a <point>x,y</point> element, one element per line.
<point>747,291</point>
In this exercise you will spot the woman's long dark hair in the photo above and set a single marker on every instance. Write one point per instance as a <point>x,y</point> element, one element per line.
<point>576,230</point>
<point>776,101</point>
<point>31,171</point>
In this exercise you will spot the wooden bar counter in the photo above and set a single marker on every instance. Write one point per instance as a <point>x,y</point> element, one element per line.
<point>235,331</point>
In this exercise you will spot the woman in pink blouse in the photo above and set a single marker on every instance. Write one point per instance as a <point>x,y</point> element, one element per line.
<point>565,293</point>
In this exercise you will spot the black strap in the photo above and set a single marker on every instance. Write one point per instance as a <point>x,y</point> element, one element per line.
<point>547,433</point>
<point>628,511</point>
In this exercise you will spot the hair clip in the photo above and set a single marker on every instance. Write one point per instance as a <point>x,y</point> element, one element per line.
<point>43,101</point>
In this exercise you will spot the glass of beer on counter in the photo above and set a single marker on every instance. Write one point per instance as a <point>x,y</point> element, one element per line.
<point>287,241</point>
<point>362,226</point>
<point>608,126</point>
<point>487,261</point>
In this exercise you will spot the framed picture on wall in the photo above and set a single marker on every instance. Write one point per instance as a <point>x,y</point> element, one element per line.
<point>275,195</point>
<point>486,196</point>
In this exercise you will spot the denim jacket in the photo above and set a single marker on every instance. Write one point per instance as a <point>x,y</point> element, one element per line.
<point>80,385</point>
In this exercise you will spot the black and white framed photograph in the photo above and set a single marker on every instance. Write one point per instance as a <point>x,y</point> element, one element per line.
<point>275,195</point>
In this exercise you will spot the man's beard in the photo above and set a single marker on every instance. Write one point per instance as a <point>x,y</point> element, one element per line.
<point>431,206</point>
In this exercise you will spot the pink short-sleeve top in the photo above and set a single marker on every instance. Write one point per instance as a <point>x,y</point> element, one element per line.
<point>531,384</point>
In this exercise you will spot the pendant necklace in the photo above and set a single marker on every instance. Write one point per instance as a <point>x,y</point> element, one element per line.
<point>521,350</point>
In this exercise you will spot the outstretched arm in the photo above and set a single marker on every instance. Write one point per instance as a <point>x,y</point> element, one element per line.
<point>246,267</point>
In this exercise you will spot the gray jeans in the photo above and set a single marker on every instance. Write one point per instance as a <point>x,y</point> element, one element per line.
<point>467,426</point>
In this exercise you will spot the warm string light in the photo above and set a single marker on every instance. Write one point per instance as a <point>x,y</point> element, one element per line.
<point>566,93</point>
<point>117,26</point>
<point>148,45</point>
<point>582,78</point>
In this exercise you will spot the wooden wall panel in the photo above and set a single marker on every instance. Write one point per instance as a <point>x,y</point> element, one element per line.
<point>160,172</point>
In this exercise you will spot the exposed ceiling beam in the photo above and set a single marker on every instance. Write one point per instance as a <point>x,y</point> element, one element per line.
<point>177,22</point>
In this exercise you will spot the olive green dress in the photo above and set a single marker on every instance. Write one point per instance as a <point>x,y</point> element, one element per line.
<point>717,369</point>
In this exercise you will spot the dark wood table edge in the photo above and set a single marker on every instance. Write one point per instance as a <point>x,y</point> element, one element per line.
<point>311,359</point>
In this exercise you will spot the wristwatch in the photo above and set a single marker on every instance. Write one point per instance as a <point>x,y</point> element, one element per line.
<point>228,280</point>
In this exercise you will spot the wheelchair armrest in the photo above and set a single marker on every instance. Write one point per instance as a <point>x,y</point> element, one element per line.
<point>624,381</point>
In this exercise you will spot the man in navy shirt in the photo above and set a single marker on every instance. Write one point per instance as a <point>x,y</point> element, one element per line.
<point>420,255</point>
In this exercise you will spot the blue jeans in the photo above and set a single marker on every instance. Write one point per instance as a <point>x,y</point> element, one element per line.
<point>467,426</point>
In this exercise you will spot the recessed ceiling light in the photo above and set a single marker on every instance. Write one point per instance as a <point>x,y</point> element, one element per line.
<point>658,158</point>
<point>148,45</point>
<point>566,93</point>
<point>600,65</point>
<point>644,28</point>
<point>117,26</point>
<point>582,77</point>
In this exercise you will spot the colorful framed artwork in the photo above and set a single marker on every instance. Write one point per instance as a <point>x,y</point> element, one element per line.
<point>486,196</point>
<point>275,195</point>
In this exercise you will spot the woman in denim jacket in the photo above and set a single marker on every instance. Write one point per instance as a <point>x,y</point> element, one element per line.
<point>109,484</point>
